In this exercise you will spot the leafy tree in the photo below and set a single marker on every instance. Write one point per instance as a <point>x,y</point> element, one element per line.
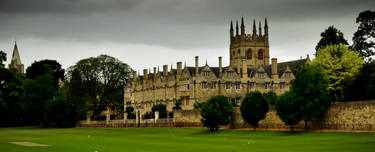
<point>288,109</point>
<point>310,90</point>
<point>37,69</point>
<point>162,108</point>
<point>363,39</point>
<point>36,93</point>
<point>58,112</point>
<point>271,97</point>
<point>362,87</point>
<point>3,58</point>
<point>130,111</point>
<point>254,108</point>
<point>331,36</point>
<point>338,63</point>
<point>103,79</point>
<point>76,94</point>
<point>216,111</point>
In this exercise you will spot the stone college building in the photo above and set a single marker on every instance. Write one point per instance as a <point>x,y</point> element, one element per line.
<point>249,70</point>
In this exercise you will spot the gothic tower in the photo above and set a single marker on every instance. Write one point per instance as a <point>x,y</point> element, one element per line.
<point>250,49</point>
<point>16,60</point>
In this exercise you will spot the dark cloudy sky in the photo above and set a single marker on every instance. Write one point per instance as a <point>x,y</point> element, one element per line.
<point>148,33</point>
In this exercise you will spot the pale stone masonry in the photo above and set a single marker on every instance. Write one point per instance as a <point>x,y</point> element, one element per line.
<point>249,70</point>
<point>16,60</point>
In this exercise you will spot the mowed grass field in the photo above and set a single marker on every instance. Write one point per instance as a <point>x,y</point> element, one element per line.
<point>180,140</point>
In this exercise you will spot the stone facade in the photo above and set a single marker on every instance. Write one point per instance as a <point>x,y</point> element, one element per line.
<point>249,70</point>
<point>16,60</point>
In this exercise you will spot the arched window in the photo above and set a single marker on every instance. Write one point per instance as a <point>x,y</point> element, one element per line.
<point>260,54</point>
<point>239,52</point>
<point>249,54</point>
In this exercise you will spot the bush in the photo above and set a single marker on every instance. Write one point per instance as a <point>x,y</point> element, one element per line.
<point>58,112</point>
<point>288,109</point>
<point>254,108</point>
<point>198,105</point>
<point>177,105</point>
<point>216,111</point>
<point>162,108</point>
<point>149,115</point>
<point>170,114</point>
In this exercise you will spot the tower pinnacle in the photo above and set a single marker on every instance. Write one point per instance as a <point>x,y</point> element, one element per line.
<point>260,29</point>
<point>236,28</point>
<point>242,27</point>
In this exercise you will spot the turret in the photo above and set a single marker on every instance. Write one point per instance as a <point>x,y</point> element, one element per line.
<point>236,28</point>
<point>242,27</point>
<point>220,65</point>
<point>165,70</point>
<point>265,27</point>
<point>179,68</point>
<point>254,30</point>
<point>260,30</point>
<point>231,31</point>
<point>145,75</point>
<point>196,65</point>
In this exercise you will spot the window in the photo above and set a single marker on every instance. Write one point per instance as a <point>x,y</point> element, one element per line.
<point>287,75</point>
<point>249,54</point>
<point>238,85</point>
<point>239,52</point>
<point>260,54</point>
<point>204,85</point>
<point>230,74</point>
<point>213,85</point>
<point>188,85</point>
<point>227,85</point>
<point>267,85</point>
<point>282,85</point>
<point>206,73</point>
<point>252,85</point>
<point>260,75</point>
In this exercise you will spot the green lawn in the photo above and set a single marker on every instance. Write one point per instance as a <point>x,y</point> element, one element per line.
<point>178,139</point>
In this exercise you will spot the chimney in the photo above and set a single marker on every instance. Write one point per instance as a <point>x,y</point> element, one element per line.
<point>134,75</point>
<point>196,65</point>
<point>179,68</point>
<point>274,68</point>
<point>220,65</point>
<point>145,75</point>
<point>165,70</point>
<point>154,72</point>
<point>244,69</point>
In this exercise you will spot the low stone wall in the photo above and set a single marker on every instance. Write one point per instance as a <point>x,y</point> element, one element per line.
<point>350,116</point>
<point>359,115</point>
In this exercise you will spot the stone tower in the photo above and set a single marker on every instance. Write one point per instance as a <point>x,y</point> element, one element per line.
<point>16,60</point>
<point>249,50</point>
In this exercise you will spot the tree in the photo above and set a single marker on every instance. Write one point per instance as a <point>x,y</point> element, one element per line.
<point>36,93</point>
<point>3,58</point>
<point>310,90</point>
<point>362,87</point>
<point>270,97</point>
<point>130,112</point>
<point>37,69</point>
<point>162,108</point>
<point>288,109</point>
<point>58,112</point>
<point>338,63</point>
<point>331,36</point>
<point>216,111</point>
<point>103,79</point>
<point>254,108</point>
<point>363,39</point>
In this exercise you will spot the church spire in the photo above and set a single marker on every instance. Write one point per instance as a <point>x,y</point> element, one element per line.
<point>16,60</point>
<point>242,27</point>
<point>236,28</point>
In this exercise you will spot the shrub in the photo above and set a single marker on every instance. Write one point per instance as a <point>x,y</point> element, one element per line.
<point>288,109</point>
<point>216,111</point>
<point>254,108</point>
<point>170,114</point>
<point>162,108</point>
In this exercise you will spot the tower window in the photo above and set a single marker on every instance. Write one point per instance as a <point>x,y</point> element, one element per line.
<point>260,54</point>
<point>227,85</point>
<point>206,74</point>
<point>249,54</point>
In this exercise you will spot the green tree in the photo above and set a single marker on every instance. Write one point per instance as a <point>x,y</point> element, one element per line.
<point>331,36</point>
<point>162,108</point>
<point>288,109</point>
<point>254,108</point>
<point>216,111</point>
<point>130,111</point>
<point>363,39</point>
<point>362,87</point>
<point>58,112</point>
<point>36,93</point>
<point>37,69</point>
<point>270,97</point>
<point>338,63</point>
<point>103,79</point>
<point>310,90</point>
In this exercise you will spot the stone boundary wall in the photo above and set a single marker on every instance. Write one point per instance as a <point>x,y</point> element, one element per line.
<point>348,116</point>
